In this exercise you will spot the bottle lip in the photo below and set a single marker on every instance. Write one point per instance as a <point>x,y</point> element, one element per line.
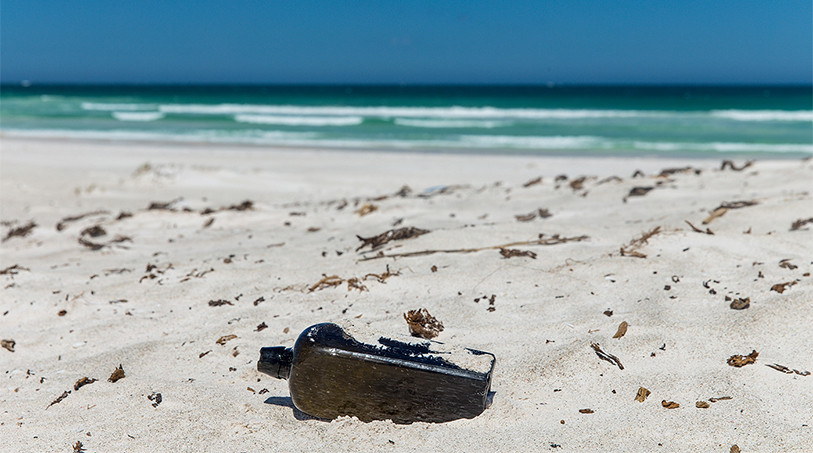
<point>276,361</point>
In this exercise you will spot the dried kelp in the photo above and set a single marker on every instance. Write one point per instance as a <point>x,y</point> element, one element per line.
<point>327,281</point>
<point>14,270</point>
<point>622,330</point>
<point>535,181</point>
<point>642,394</point>
<point>100,245</point>
<point>638,191</point>
<point>798,224</point>
<point>541,213</point>
<point>62,224</point>
<point>719,211</point>
<point>787,370</point>
<point>60,398</point>
<point>219,302</point>
<point>513,253</point>
<point>631,249</point>
<point>93,231</point>
<point>742,360</point>
<point>782,287</point>
<point>83,382</point>
<point>21,231</point>
<point>422,324</point>
<point>542,240</point>
<point>605,356</point>
<point>8,345</point>
<point>399,234</point>
<point>702,405</point>
<point>729,164</point>
<point>670,404</point>
<point>163,206</point>
<point>786,264</point>
<point>698,230</point>
<point>355,283</point>
<point>671,171</point>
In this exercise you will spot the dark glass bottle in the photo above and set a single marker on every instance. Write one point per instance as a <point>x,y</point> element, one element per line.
<point>330,373</point>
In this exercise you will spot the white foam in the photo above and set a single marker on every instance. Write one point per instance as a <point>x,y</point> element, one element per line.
<point>725,147</point>
<point>765,115</point>
<point>300,120</point>
<point>138,116</point>
<point>441,123</point>
<point>108,107</point>
<point>539,142</point>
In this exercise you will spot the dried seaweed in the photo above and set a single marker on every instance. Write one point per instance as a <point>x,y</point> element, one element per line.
<point>422,324</point>
<point>782,287</point>
<point>698,230</point>
<point>219,302</point>
<point>729,164</point>
<point>513,253</point>
<point>740,303</point>
<point>118,373</point>
<point>382,277</point>
<point>163,206</point>
<point>327,281</point>
<point>787,370</point>
<point>638,191</point>
<point>541,213</point>
<point>535,181</point>
<point>100,245</point>
<point>261,326</point>
<point>578,183</point>
<point>622,330</point>
<point>366,208</point>
<point>60,398</point>
<point>93,231</point>
<point>355,283</point>
<point>719,398</point>
<point>605,356</point>
<point>225,339</point>
<point>542,240</point>
<point>670,404</point>
<point>742,360</point>
<point>586,411</point>
<point>642,394</point>
<point>719,211</point>
<point>786,264</point>
<point>399,234</point>
<point>22,231</point>
<point>62,224</point>
<point>8,345</point>
<point>156,399</point>
<point>702,405</point>
<point>671,171</point>
<point>83,382</point>
<point>78,448</point>
<point>798,224</point>
<point>631,249</point>
<point>14,270</point>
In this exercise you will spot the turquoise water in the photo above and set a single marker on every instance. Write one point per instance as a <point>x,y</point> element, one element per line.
<point>697,121</point>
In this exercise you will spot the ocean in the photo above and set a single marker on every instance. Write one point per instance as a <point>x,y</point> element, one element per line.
<point>697,121</point>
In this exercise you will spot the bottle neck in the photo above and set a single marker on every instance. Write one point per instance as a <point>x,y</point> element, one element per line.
<point>276,361</point>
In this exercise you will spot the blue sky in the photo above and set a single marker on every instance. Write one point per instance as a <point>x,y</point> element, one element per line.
<point>528,42</point>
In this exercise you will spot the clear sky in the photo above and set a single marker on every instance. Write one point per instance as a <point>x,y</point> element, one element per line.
<point>354,41</point>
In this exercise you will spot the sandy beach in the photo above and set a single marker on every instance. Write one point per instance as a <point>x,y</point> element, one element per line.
<point>179,262</point>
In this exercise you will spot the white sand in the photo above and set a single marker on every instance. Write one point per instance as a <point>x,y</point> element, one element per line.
<point>547,310</point>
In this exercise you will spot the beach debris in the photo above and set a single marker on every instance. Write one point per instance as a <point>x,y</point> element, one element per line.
<point>702,405</point>
<point>670,404</point>
<point>8,344</point>
<point>638,174</point>
<point>608,312</point>
<point>327,281</point>
<point>14,270</point>
<point>355,283</point>
<point>117,374</point>
<point>609,179</point>
<point>671,171</point>
<point>782,287</point>
<point>698,230</point>
<point>21,231</point>
<point>225,339</point>
<point>156,399</point>
<point>433,268</point>
<point>631,249</point>
<point>533,182</point>
<point>719,398</point>
<point>578,183</point>
<point>163,206</point>
<point>100,245</point>
<point>83,382</point>
<point>200,356</point>
<point>62,224</point>
<point>605,356</point>
<point>93,231</point>
<point>399,234</point>
<point>742,360</point>
<point>787,370</point>
<point>60,398</point>
<point>261,326</point>
<point>78,448</point>
<point>719,211</point>
<point>642,394</point>
<point>219,302</point>
<point>258,300</point>
<point>786,264</point>
<point>740,303</point>
<point>586,411</point>
<point>123,215</point>
<point>366,208</point>
<point>638,191</point>
<point>622,330</point>
<point>734,449</point>
<point>541,213</point>
<point>246,205</point>
<point>422,324</point>
<point>382,277</point>
<point>729,164</point>
<point>513,253</point>
<point>542,240</point>
<point>798,224</point>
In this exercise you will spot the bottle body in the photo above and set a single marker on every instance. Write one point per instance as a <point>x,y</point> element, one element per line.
<point>333,374</point>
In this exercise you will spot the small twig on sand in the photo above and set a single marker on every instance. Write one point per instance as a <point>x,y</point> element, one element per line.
<point>698,230</point>
<point>555,239</point>
<point>604,356</point>
<point>631,249</point>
